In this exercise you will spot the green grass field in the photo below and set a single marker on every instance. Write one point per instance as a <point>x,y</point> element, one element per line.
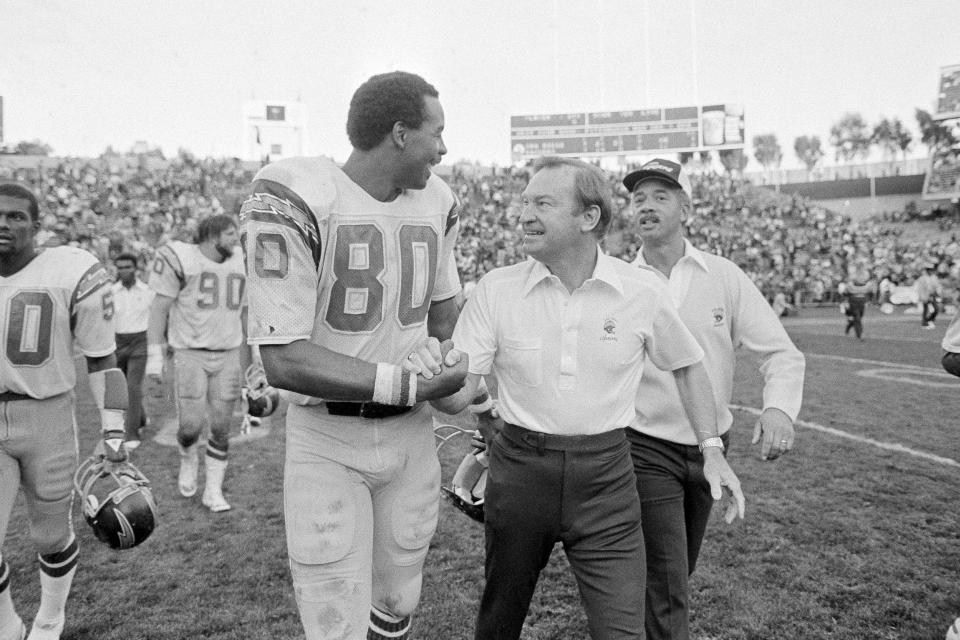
<point>854,535</point>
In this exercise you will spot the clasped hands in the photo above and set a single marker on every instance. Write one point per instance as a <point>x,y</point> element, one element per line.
<point>441,369</point>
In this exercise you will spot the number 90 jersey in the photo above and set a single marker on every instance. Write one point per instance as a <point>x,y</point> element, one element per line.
<point>209,296</point>
<point>62,295</point>
<point>329,263</point>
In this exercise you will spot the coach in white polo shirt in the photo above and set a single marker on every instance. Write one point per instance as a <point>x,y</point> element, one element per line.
<point>131,302</point>
<point>724,310</point>
<point>566,335</point>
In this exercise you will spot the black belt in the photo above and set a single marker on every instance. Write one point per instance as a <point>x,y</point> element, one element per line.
<point>596,442</point>
<point>8,396</point>
<point>369,410</point>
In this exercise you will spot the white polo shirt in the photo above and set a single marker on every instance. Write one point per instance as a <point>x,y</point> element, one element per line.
<point>723,309</point>
<point>570,363</point>
<point>131,306</point>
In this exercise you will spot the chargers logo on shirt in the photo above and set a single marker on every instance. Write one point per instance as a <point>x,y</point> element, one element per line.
<point>717,316</point>
<point>609,330</point>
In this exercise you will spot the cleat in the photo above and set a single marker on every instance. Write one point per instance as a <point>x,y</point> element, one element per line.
<point>215,501</point>
<point>189,462</point>
<point>213,489</point>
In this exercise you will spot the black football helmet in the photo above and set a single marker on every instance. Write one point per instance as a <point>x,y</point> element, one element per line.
<point>262,399</point>
<point>470,480</point>
<point>116,500</point>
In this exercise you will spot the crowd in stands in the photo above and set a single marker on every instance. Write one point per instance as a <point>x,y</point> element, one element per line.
<point>787,245</point>
<point>128,203</point>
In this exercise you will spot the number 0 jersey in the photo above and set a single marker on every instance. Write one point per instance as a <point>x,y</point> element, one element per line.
<point>209,296</point>
<point>61,296</point>
<point>329,263</point>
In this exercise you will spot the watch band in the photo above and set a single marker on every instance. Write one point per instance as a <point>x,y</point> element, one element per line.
<point>715,441</point>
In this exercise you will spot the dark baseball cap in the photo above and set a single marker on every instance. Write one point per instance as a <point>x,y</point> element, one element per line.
<point>666,170</point>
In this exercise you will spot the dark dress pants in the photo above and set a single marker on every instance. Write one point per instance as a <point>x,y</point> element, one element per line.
<point>855,318</point>
<point>930,309</point>
<point>577,490</point>
<point>132,360</point>
<point>676,504</point>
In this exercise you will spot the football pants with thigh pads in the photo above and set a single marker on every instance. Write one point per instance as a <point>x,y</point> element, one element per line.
<point>117,502</point>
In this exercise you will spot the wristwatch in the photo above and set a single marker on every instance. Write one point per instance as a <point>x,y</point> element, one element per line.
<point>715,441</point>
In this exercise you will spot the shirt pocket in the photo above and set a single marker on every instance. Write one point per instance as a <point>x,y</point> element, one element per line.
<point>522,361</point>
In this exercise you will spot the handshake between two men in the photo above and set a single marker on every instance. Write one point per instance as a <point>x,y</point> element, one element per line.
<point>444,379</point>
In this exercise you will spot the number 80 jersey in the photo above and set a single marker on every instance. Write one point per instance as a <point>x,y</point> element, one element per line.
<point>329,263</point>
<point>59,297</point>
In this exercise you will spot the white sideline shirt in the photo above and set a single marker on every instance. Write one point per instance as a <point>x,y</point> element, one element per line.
<point>570,363</point>
<point>723,309</point>
<point>132,306</point>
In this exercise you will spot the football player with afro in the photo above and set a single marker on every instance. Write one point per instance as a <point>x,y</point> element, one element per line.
<point>47,309</point>
<point>350,269</point>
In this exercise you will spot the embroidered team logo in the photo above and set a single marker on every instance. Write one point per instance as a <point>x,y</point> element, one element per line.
<point>717,316</point>
<point>609,330</point>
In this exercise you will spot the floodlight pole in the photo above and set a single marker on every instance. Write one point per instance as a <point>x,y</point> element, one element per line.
<point>646,52</point>
<point>693,47</point>
<point>556,57</point>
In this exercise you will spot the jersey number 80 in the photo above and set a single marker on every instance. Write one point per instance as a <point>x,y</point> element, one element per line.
<point>356,300</point>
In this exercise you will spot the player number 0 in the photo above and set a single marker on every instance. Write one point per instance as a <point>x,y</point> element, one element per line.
<point>29,328</point>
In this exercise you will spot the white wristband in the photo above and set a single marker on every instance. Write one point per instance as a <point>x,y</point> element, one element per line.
<point>412,396</point>
<point>383,387</point>
<point>154,365</point>
<point>394,385</point>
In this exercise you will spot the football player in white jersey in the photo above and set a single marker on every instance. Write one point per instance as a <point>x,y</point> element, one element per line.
<point>198,308</point>
<point>49,302</point>
<point>349,270</point>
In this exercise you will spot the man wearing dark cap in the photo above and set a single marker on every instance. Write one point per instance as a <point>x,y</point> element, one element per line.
<point>723,309</point>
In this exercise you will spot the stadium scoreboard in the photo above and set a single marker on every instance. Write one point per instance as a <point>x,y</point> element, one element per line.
<point>942,180</point>
<point>948,97</point>
<point>273,129</point>
<point>626,133</point>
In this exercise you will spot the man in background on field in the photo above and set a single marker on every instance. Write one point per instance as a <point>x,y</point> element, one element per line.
<point>928,294</point>
<point>131,301</point>
<point>723,309</point>
<point>856,293</point>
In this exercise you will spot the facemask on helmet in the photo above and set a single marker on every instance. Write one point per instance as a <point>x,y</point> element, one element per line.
<point>117,502</point>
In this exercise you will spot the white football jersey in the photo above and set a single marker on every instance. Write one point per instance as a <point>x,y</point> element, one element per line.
<point>209,296</point>
<point>329,263</point>
<point>63,295</point>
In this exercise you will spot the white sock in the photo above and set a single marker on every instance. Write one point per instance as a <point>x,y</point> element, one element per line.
<point>9,620</point>
<point>56,576</point>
